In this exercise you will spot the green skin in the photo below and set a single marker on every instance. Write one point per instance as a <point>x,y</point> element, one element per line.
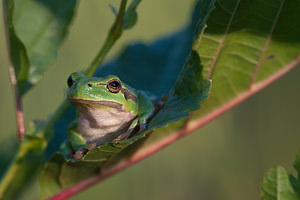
<point>106,114</point>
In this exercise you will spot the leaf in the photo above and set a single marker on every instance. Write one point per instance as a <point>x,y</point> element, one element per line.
<point>36,30</point>
<point>113,9</point>
<point>59,172</point>
<point>106,157</point>
<point>190,89</point>
<point>17,51</point>
<point>279,185</point>
<point>130,17</point>
<point>246,46</point>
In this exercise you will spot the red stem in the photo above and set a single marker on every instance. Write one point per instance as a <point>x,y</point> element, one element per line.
<point>191,126</point>
<point>18,102</point>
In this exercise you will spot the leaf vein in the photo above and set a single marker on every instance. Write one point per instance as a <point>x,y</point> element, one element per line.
<point>217,21</point>
<point>222,41</point>
<point>242,57</point>
<point>224,8</point>
<point>211,38</point>
<point>243,44</point>
<point>261,17</point>
<point>257,67</point>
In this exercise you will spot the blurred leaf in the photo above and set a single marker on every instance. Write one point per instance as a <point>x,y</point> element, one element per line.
<point>17,51</point>
<point>279,185</point>
<point>28,159</point>
<point>36,30</point>
<point>113,9</point>
<point>131,16</point>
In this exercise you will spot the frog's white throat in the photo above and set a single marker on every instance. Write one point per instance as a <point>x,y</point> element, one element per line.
<point>102,124</point>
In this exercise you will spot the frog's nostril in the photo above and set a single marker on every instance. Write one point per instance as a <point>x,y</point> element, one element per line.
<point>90,85</point>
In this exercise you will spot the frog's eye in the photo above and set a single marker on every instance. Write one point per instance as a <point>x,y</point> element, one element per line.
<point>70,81</point>
<point>114,85</point>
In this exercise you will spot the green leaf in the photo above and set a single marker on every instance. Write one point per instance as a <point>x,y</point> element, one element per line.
<point>278,184</point>
<point>113,9</point>
<point>246,46</point>
<point>17,51</point>
<point>36,30</point>
<point>87,167</point>
<point>189,90</point>
<point>130,17</point>
<point>109,155</point>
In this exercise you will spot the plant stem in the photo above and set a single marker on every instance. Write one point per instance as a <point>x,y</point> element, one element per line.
<point>18,102</point>
<point>113,35</point>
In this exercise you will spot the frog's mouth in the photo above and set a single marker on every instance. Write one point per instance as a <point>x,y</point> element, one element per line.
<point>84,102</point>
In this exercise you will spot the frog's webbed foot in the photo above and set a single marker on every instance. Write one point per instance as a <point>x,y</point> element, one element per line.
<point>79,154</point>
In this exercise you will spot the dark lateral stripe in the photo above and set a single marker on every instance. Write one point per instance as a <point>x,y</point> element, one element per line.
<point>128,94</point>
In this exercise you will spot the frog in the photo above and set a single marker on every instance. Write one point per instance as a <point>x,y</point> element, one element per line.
<point>108,110</point>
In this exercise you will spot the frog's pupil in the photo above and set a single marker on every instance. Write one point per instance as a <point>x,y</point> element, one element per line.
<point>114,84</point>
<point>70,81</point>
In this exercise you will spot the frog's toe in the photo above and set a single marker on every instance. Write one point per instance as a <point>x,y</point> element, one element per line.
<point>92,146</point>
<point>78,154</point>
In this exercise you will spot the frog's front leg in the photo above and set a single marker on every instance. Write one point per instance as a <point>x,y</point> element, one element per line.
<point>79,146</point>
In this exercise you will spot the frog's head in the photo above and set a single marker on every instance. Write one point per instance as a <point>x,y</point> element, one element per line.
<point>106,91</point>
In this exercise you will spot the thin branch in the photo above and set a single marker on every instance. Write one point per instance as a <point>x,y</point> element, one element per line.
<point>113,35</point>
<point>18,102</point>
<point>191,126</point>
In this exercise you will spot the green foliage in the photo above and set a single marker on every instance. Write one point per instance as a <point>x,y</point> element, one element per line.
<point>246,43</point>
<point>17,50</point>
<point>130,17</point>
<point>86,167</point>
<point>235,51</point>
<point>278,184</point>
<point>36,30</point>
<point>176,107</point>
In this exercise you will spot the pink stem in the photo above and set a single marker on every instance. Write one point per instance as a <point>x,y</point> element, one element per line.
<point>18,102</point>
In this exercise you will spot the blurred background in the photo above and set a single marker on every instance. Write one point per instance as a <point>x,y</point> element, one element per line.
<point>225,160</point>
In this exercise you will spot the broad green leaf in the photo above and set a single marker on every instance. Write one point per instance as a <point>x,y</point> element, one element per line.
<point>110,154</point>
<point>36,30</point>
<point>247,45</point>
<point>278,184</point>
<point>190,89</point>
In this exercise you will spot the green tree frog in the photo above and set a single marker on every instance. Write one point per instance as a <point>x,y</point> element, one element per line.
<point>109,111</point>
